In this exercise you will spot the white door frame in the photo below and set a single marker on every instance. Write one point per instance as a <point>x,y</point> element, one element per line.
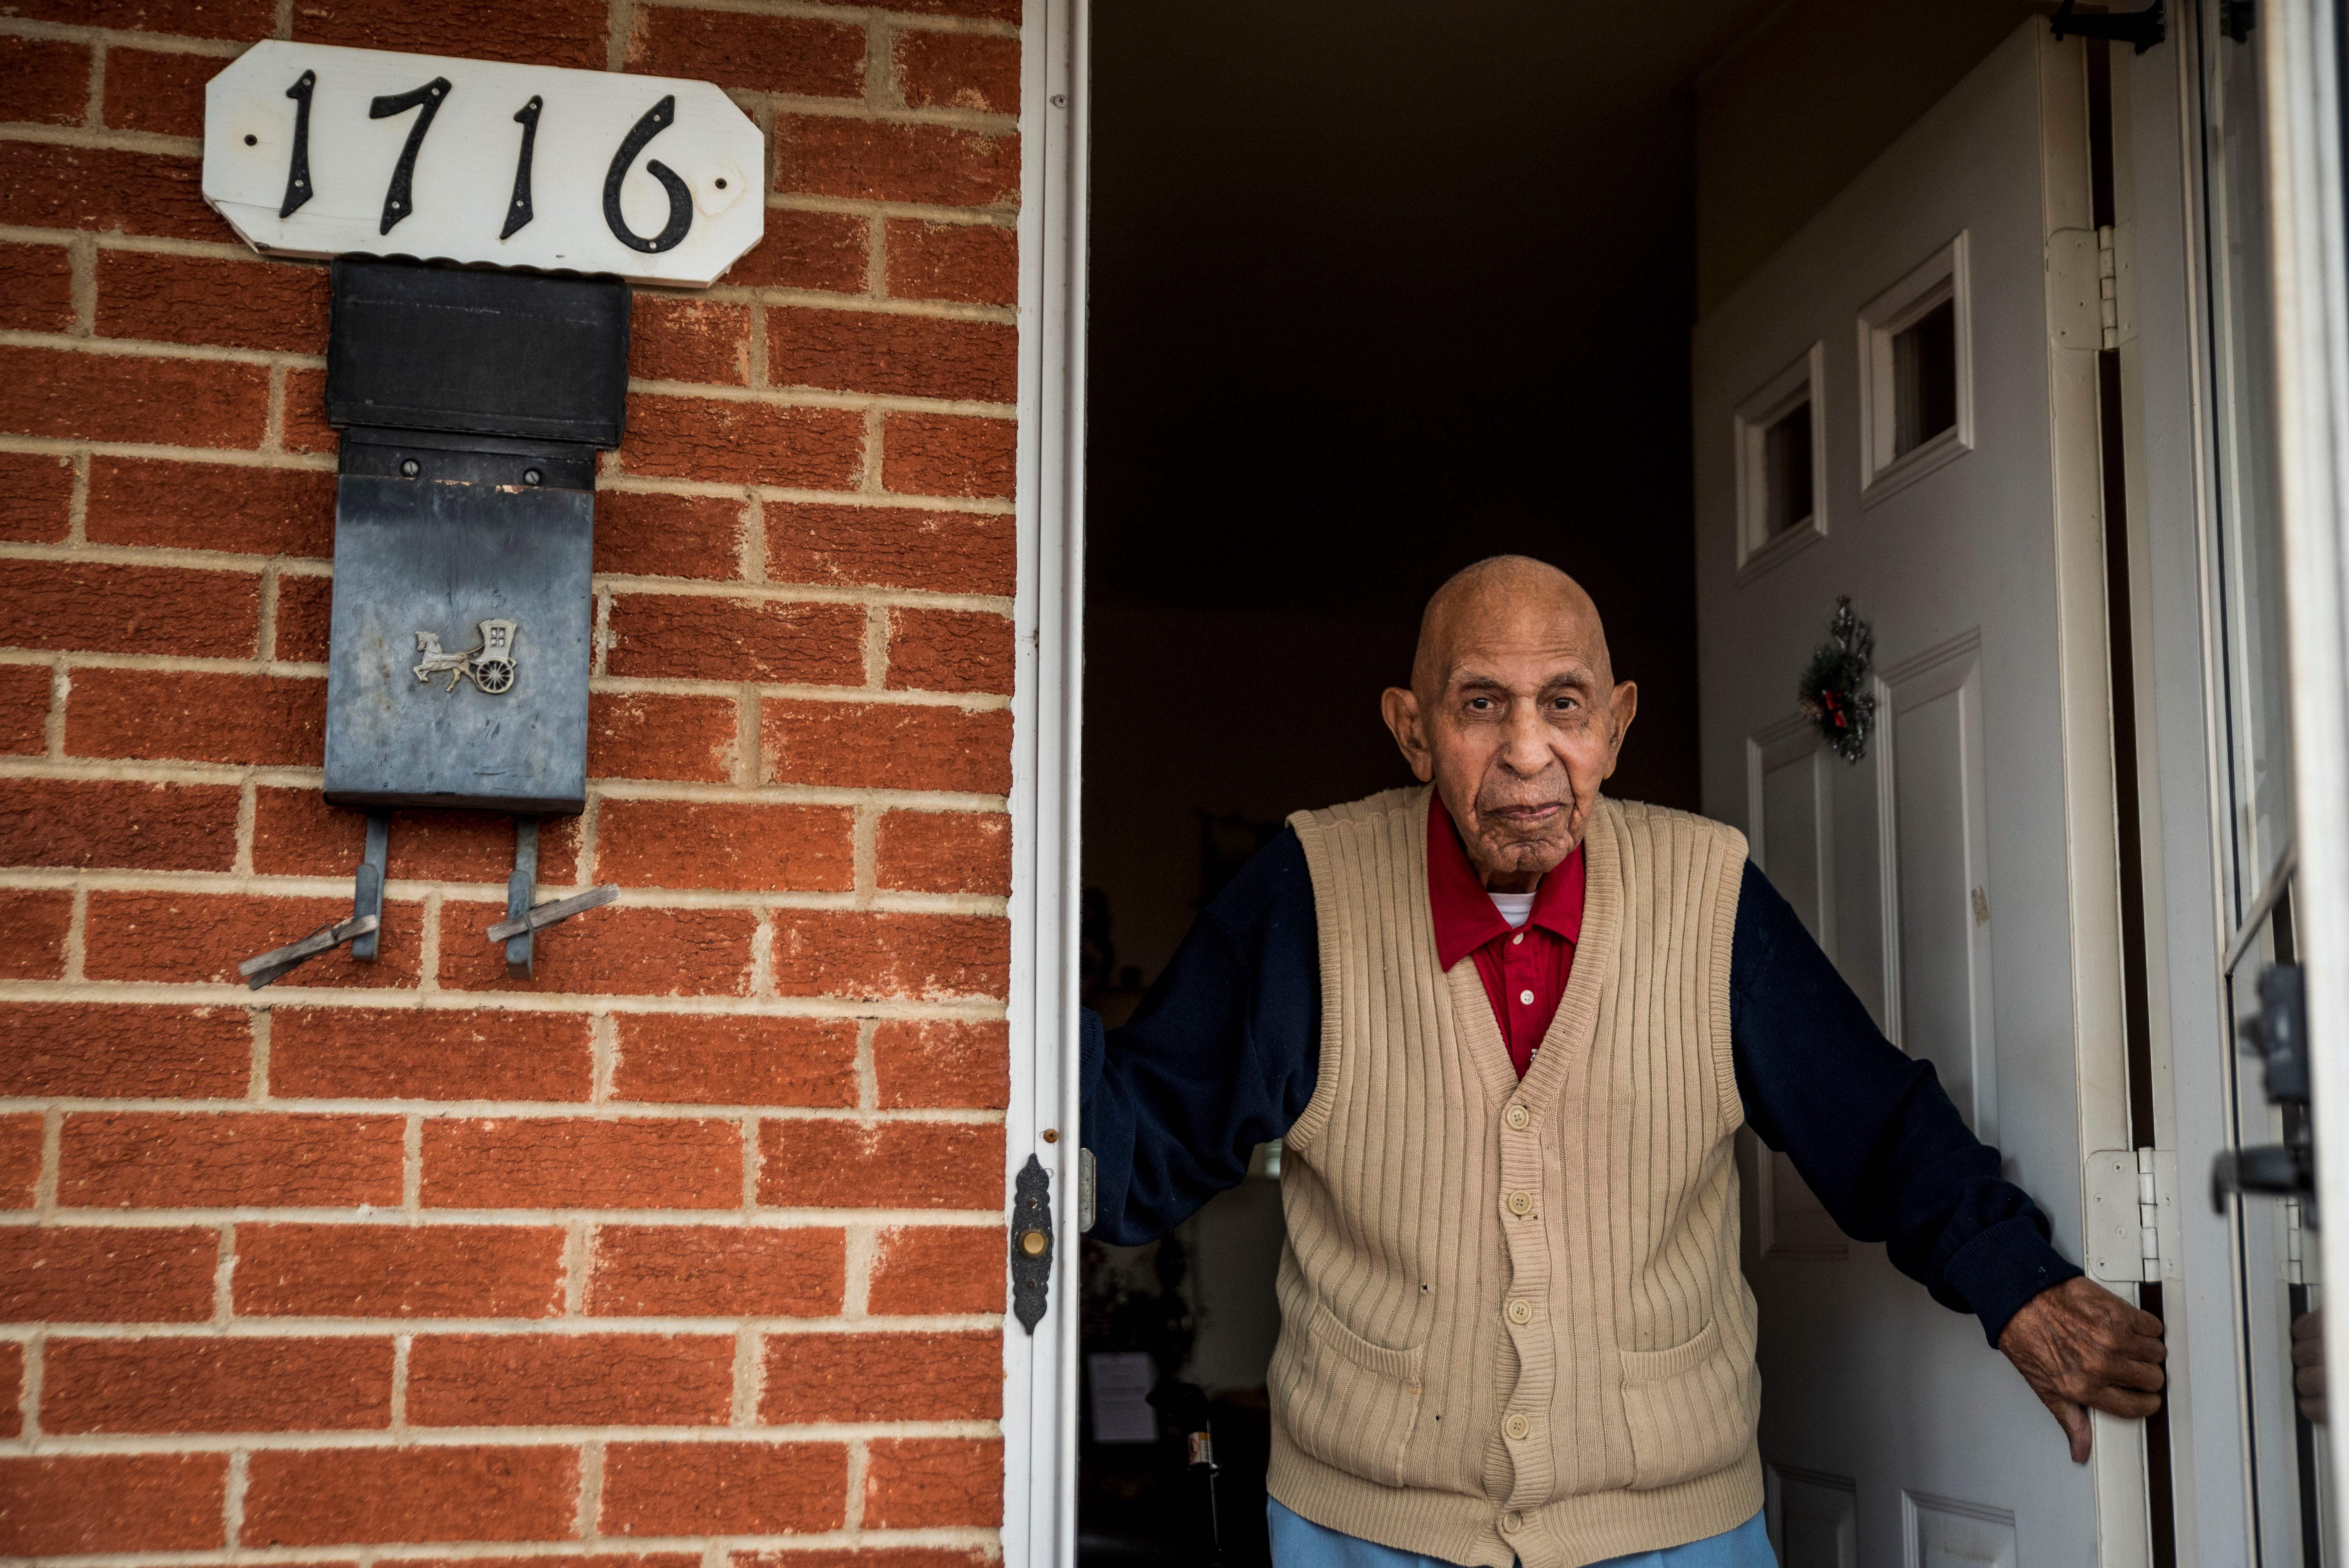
<point>1039,1392</point>
<point>2312,331</point>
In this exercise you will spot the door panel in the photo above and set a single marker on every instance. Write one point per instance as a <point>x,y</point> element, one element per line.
<point>1953,873</point>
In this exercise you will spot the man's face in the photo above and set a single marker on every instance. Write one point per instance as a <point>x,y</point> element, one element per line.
<point>1514,715</point>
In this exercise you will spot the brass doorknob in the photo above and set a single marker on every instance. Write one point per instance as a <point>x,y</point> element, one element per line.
<point>1033,1242</point>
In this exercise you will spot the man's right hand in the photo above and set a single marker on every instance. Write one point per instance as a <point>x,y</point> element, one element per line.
<point>2080,1347</point>
<point>2308,1362</point>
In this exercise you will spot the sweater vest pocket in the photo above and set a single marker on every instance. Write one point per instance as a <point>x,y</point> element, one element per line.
<point>1691,1409</point>
<point>1348,1402</point>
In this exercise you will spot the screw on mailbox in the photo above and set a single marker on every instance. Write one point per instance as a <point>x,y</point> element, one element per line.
<point>531,476</point>
<point>409,467</point>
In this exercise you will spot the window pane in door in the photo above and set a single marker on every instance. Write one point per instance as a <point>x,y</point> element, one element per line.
<point>1925,379</point>
<point>1786,460</point>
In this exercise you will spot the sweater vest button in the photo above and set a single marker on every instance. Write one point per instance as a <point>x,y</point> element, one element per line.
<point>1518,1117</point>
<point>1521,1202</point>
<point>1518,1427</point>
<point>1512,1522</point>
<point>1521,1311</point>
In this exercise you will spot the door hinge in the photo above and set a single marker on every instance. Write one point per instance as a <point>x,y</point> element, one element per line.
<point>2131,1215</point>
<point>2108,304</point>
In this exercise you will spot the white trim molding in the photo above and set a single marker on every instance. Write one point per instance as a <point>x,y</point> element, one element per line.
<point>1039,1391</point>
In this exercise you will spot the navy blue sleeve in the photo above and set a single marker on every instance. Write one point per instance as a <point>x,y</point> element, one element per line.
<point>1872,1130</point>
<point>1220,1056</point>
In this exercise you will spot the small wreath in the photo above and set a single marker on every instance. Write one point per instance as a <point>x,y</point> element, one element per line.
<point>1833,688</point>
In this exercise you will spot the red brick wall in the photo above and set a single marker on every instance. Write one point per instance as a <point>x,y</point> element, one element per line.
<point>691,1249</point>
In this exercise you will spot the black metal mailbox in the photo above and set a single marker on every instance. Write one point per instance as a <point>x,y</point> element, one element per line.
<point>471,405</point>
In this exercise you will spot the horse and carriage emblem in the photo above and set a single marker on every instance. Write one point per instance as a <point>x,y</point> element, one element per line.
<point>490,667</point>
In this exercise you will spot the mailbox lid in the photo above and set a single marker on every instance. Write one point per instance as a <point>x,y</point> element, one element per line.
<point>491,711</point>
<point>496,353</point>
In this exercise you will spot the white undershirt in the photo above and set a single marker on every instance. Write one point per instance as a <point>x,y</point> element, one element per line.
<point>1516,908</point>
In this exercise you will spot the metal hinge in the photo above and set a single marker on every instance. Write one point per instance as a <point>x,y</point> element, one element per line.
<point>2108,304</point>
<point>2132,1215</point>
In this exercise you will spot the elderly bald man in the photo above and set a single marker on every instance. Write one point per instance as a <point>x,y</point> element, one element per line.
<point>1507,1027</point>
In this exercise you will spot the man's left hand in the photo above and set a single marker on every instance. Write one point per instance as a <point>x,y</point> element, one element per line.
<point>2082,1348</point>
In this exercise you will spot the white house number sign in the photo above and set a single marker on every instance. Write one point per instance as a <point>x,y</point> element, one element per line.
<point>312,150</point>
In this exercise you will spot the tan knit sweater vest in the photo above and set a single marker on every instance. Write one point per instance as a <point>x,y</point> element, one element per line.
<point>1511,1319</point>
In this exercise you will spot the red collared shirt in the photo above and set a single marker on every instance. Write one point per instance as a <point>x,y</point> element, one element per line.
<point>1525,971</point>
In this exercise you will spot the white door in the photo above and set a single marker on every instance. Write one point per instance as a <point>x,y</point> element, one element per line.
<point>1901,408</point>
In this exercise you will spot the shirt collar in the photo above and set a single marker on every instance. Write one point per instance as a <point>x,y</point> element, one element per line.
<point>1466,918</point>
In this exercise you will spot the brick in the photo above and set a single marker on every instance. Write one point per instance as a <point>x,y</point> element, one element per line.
<point>949,650</point>
<point>149,90</point>
<point>35,281</point>
<point>548,33</point>
<point>46,186</point>
<point>102,822</point>
<point>570,1380</point>
<point>923,1269</point>
<point>694,637</point>
<point>197,717</point>
<point>580,1560</point>
<point>618,952</point>
<point>650,535</point>
<point>715,1271</point>
<point>94,608</point>
<point>331,1496</point>
<point>511,1163</point>
<point>306,607</point>
<point>296,833</point>
<point>43,81</point>
<point>978,71</point>
<point>354,1053</point>
<point>723,1488</point>
<point>891,547</point>
<point>890,957</point>
<point>306,429</point>
<point>207,1161</point>
<point>25,692</point>
<point>829,1164</point>
<point>398,1271</point>
<point>36,497</point>
<point>306,1385</point>
<point>876,160</point>
<point>885,745</point>
<point>756,53</point>
<point>20,1160</point>
<point>942,1062</point>
<point>865,1557</point>
<point>944,852</point>
<point>948,454</point>
<point>107,1275</point>
<point>212,300</point>
<point>211,506</point>
<point>888,355</point>
<point>693,1058</point>
<point>733,441</point>
<point>34,923</point>
<point>12,1388</point>
<point>638,735</point>
<point>827,251</point>
<point>91,1051</point>
<point>705,340</point>
<point>931,1377</point>
<point>996,10</point>
<point>130,397</point>
<point>709,844</point>
<point>188,938</point>
<point>971,263</point>
<point>112,1502</point>
<point>929,1483</point>
<point>239,19</point>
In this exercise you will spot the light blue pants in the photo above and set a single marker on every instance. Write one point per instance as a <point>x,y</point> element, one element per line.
<point>1299,1542</point>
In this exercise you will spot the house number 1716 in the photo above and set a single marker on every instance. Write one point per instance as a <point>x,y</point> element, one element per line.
<point>424,102</point>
